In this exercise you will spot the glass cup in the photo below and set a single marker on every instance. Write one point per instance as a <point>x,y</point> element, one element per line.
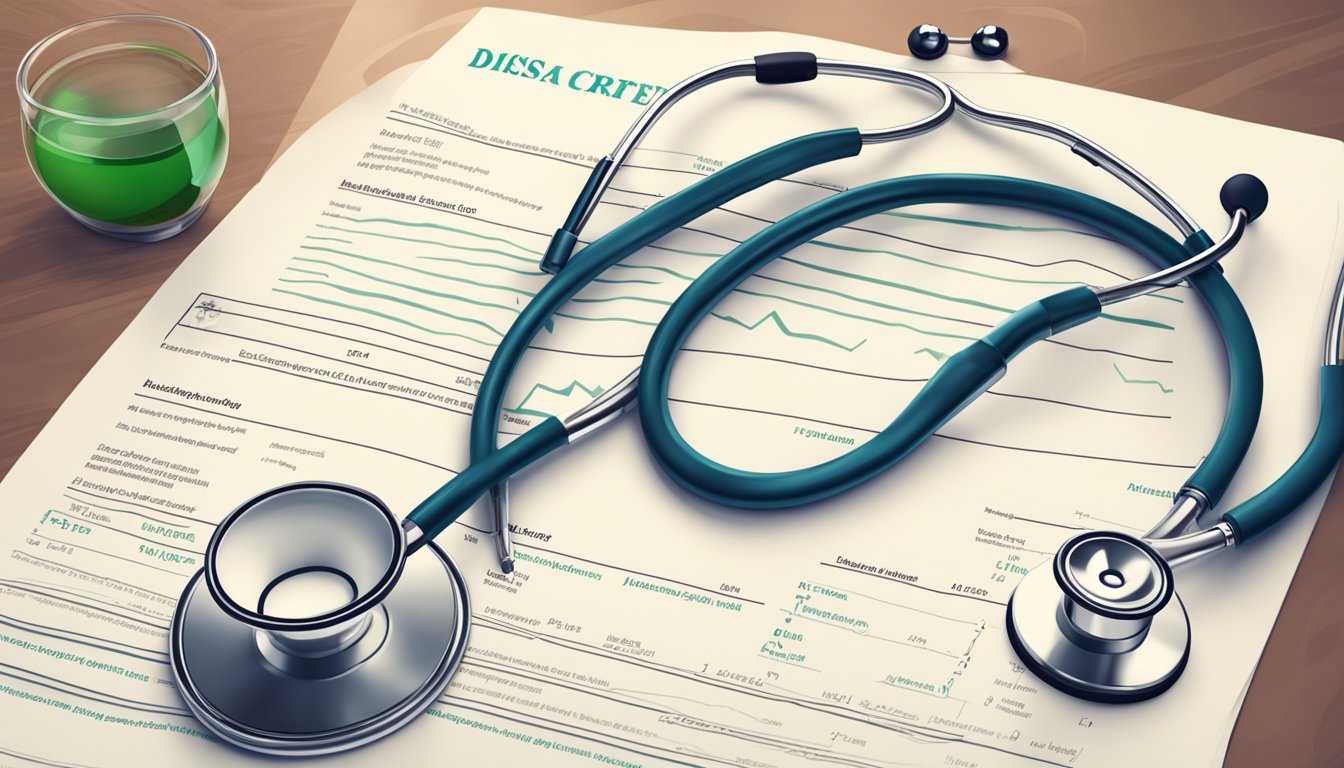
<point>125,123</point>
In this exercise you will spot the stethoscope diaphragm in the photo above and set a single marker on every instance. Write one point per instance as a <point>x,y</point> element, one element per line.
<point>319,691</point>
<point>1102,620</point>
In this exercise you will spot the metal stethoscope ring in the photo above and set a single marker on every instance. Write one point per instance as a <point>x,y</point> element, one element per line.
<point>1104,622</point>
<point>291,639</point>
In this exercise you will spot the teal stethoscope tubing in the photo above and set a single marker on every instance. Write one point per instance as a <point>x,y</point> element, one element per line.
<point>962,376</point>
<point>966,374</point>
<point>726,484</point>
<point>788,157</point>
<point>1321,456</point>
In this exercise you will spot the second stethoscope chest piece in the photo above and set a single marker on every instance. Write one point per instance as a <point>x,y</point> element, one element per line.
<point>1103,622</point>
<point>257,660</point>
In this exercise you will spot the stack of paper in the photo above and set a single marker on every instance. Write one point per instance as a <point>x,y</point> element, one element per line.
<point>337,324</point>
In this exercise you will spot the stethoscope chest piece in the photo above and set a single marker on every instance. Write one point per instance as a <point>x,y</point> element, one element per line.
<point>313,691</point>
<point>1103,621</point>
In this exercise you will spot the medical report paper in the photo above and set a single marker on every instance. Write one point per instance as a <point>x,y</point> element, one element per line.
<point>336,324</point>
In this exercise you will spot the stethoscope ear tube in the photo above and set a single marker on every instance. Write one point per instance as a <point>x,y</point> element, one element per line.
<point>665,216</point>
<point>566,238</point>
<point>456,496</point>
<point>1257,514</point>
<point>1246,381</point>
<point>958,379</point>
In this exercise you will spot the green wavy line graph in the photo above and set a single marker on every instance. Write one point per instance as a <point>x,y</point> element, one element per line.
<point>1165,389</point>
<point>662,302</point>
<point>397,300</point>
<point>513,308</point>
<point>383,315</point>
<point>439,243</point>
<point>705,254</point>
<point>441,227</point>
<point>778,322</point>
<point>772,317</point>
<point>565,391</point>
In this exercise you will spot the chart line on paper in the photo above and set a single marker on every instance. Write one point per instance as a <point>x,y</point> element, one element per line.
<point>309,328</point>
<point>431,225</point>
<point>900,286</point>
<point>426,272</point>
<point>383,315</point>
<point>398,300</point>
<point>778,322</point>
<point>1154,382</point>
<point>687,277</point>
<point>510,308</point>
<point>936,246</point>
<point>565,391</point>
<point>437,243</point>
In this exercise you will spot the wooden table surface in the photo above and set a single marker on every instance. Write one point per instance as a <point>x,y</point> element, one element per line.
<point>66,293</point>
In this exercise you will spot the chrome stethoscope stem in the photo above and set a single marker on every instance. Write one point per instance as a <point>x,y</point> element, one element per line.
<point>1179,272</point>
<point>1190,505</point>
<point>951,101</point>
<point>1089,151</point>
<point>587,419</point>
<point>1334,331</point>
<point>747,68</point>
<point>917,80</point>
<point>603,409</point>
<point>1182,550</point>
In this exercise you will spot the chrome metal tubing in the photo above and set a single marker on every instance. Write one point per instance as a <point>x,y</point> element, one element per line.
<point>499,507</point>
<point>651,114</point>
<point>747,68</point>
<point>951,101</point>
<point>1334,331</point>
<point>1185,511</point>
<point>415,538</point>
<point>917,80</point>
<point>1089,151</point>
<point>1182,550</point>
<point>1175,274</point>
<point>603,409</point>
<point>596,414</point>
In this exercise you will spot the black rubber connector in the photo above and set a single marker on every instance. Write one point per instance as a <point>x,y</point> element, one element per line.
<point>558,251</point>
<point>1244,191</point>
<point>780,68</point>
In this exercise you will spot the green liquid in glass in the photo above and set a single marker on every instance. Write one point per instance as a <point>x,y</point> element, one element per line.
<point>149,166</point>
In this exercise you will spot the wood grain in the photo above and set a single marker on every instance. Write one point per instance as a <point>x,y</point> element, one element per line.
<point>66,293</point>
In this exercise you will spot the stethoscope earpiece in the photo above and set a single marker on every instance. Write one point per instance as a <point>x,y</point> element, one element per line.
<point>990,41</point>
<point>1246,192</point>
<point>927,41</point>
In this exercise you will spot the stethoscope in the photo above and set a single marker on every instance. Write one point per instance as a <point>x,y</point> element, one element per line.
<point>311,630</point>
